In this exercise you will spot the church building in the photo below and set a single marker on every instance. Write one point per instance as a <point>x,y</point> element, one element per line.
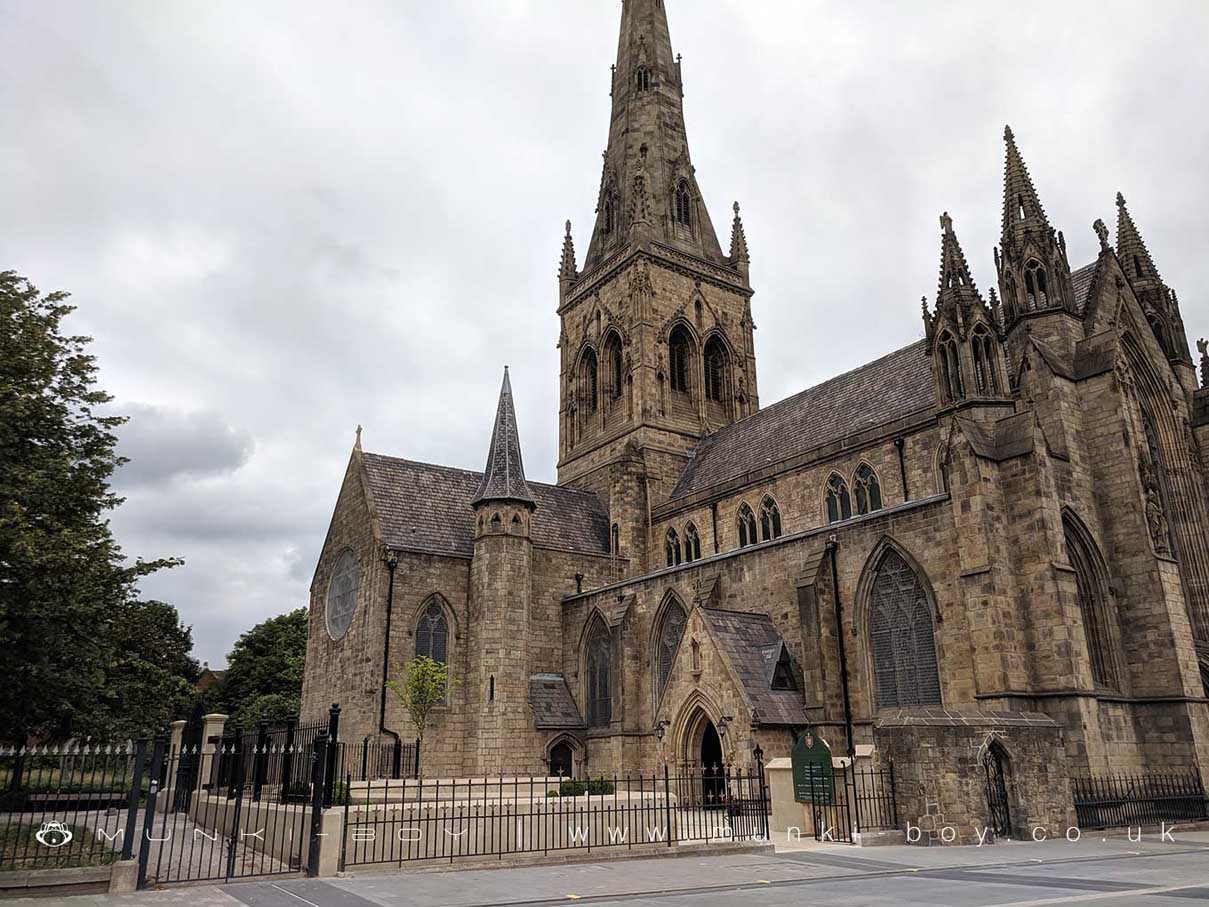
<point>992,543</point>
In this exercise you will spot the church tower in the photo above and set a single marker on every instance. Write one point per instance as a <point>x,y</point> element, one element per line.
<point>656,329</point>
<point>501,584</point>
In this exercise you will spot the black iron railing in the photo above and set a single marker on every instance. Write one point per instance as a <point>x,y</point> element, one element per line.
<point>412,821</point>
<point>1120,801</point>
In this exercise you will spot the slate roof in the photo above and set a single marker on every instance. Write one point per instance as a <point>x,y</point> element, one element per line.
<point>427,508</point>
<point>504,475</point>
<point>1082,280</point>
<point>552,703</point>
<point>751,643</point>
<point>876,393</point>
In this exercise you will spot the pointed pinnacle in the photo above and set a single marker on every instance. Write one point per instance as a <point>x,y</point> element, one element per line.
<point>1120,200</point>
<point>1007,134</point>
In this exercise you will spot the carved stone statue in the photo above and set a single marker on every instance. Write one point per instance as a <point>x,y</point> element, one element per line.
<point>1156,519</point>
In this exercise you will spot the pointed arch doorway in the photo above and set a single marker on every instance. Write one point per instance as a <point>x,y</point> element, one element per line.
<point>704,759</point>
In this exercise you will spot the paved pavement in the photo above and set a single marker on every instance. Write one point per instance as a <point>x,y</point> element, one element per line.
<point>1097,872</point>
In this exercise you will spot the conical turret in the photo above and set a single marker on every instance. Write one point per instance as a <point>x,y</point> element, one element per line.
<point>1157,299</point>
<point>504,475</point>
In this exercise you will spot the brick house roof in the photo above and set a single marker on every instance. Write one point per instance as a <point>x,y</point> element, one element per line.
<point>424,507</point>
<point>751,643</point>
<point>878,392</point>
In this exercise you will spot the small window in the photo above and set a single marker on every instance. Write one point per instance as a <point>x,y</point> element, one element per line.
<point>747,527</point>
<point>1036,287</point>
<point>984,362</point>
<point>839,502</point>
<point>770,520</point>
<point>782,674</point>
<point>1137,267</point>
<point>432,634</point>
<point>692,543</point>
<point>342,594</point>
<point>643,78</point>
<point>615,540</point>
<point>950,369</point>
<point>868,490</point>
<point>589,384</point>
<point>606,217</point>
<point>672,548</point>
<point>684,204</point>
<point>491,689</point>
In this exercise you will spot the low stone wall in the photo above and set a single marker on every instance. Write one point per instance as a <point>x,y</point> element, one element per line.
<point>280,831</point>
<point>940,781</point>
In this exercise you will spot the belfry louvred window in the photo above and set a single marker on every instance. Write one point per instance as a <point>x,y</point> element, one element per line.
<point>902,637</point>
<point>984,361</point>
<point>1036,287</point>
<point>684,204</point>
<point>432,633</point>
<point>949,363</point>
<point>679,351</point>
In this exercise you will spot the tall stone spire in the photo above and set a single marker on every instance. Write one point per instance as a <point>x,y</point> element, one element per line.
<point>504,475</point>
<point>1159,302</point>
<point>1131,249</point>
<point>649,190</point>
<point>1034,274</point>
<point>1022,211</point>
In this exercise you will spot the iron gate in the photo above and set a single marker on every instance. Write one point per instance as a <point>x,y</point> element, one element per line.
<point>997,794</point>
<point>851,801</point>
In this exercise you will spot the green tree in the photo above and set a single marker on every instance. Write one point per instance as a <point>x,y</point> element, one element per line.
<point>63,578</point>
<point>264,671</point>
<point>425,684</point>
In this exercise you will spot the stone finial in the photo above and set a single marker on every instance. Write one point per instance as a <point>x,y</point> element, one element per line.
<point>1202,346</point>
<point>358,441</point>
<point>946,222</point>
<point>1120,200</point>
<point>1007,134</point>
<point>568,269</point>
<point>1102,233</point>
<point>738,241</point>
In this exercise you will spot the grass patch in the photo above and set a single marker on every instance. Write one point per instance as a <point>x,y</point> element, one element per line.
<point>19,849</point>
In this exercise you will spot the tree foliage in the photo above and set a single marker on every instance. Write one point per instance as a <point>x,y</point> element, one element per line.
<point>425,684</point>
<point>65,586</point>
<point>264,671</point>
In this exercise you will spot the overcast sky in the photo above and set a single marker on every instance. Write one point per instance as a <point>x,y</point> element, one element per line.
<point>280,220</point>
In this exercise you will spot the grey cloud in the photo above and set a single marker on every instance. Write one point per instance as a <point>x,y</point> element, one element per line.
<point>295,221</point>
<point>164,444</point>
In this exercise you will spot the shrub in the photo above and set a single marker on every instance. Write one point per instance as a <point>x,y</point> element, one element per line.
<point>571,788</point>
<point>600,786</point>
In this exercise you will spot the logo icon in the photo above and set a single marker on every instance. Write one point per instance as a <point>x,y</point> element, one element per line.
<point>53,834</point>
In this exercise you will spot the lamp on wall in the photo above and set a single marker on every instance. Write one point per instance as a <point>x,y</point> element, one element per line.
<point>723,722</point>
<point>661,729</point>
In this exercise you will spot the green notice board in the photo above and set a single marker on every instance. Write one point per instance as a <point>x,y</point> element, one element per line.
<point>813,776</point>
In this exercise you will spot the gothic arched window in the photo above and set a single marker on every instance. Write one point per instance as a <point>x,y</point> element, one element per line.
<point>598,665</point>
<point>643,78</point>
<point>671,547</point>
<point>1036,287</point>
<point>680,346</point>
<point>984,362</point>
<point>692,543</point>
<point>716,371</point>
<point>770,519</point>
<point>839,502</point>
<point>589,382</point>
<point>667,641</point>
<point>432,633</point>
<point>901,637</point>
<point>684,204</point>
<point>747,526</point>
<point>868,490</point>
<point>606,216</point>
<point>950,368</point>
<point>342,594</point>
<point>614,378</point>
<point>615,540</point>
<point>1092,587</point>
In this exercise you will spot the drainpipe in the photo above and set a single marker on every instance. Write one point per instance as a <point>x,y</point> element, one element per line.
<point>713,509</point>
<point>833,547</point>
<point>901,442</point>
<point>391,560</point>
